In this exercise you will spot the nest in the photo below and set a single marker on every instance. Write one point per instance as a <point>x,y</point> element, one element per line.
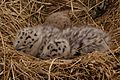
<point>17,14</point>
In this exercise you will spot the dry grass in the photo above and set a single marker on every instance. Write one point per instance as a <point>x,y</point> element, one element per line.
<point>17,14</point>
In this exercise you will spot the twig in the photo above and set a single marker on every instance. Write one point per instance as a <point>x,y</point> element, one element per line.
<point>50,68</point>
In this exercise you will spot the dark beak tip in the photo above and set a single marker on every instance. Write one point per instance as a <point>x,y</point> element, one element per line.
<point>18,49</point>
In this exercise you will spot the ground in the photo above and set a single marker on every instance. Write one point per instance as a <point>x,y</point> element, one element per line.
<point>17,14</point>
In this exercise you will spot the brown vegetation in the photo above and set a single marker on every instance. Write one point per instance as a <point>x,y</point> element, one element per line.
<point>17,14</point>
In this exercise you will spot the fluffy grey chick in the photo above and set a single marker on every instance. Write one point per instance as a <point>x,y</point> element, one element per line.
<point>56,48</point>
<point>30,40</point>
<point>86,39</point>
<point>59,20</point>
<point>74,41</point>
<point>35,41</point>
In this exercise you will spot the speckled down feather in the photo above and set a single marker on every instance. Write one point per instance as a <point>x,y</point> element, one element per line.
<point>76,41</point>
